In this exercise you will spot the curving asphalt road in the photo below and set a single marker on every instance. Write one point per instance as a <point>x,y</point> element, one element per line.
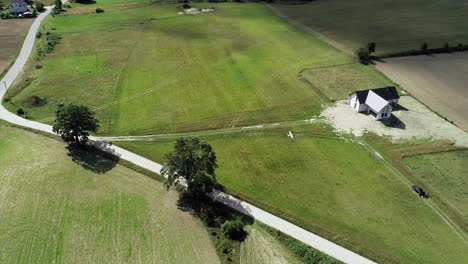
<point>286,227</point>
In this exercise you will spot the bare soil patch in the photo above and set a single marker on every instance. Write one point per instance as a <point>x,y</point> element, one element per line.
<point>415,121</point>
<point>439,81</point>
<point>12,33</point>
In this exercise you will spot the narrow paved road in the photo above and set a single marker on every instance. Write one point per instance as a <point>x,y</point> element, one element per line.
<point>286,227</point>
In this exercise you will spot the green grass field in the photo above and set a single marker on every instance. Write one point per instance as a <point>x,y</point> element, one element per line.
<point>395,25</point>
<point>145,69</point>
<point>55,211</point>
<point>339,81</point>
<point>446,173</point>
<point>331,186</point>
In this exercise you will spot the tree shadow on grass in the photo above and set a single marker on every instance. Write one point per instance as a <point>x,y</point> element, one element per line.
<point>91,158</point>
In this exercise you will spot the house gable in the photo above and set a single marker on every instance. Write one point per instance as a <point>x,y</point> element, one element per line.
<point>375,102</point>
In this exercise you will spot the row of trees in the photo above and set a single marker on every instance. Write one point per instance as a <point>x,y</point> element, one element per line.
<point>365,54</point>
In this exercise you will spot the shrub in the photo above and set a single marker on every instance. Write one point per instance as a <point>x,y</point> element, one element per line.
<point>6,15</point>
<point>6,99</point>
<point>223,246</point>
<point>308,254</point>
<point>363,56</point>
<point>20,111</point>
<point>99,10</point>
<point>186,6</point>
<point>233,229</point>
<point>36,101</point>
<point>447,47</point>
<point>40,7</point>
<point>39,34</point>
<point>424,46</point>
<point>371,47</point>
<point>52,40</point>
<point>38,66</point>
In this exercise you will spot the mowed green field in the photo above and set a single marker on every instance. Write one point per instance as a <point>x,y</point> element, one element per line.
<point>337,82</point>
<point>332,186</point>
<point>145,69</point>
<point>395,25</point>
<point>55,211</point>
<point>445,173</point>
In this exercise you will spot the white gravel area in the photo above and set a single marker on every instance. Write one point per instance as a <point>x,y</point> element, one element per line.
<point>417,122</point>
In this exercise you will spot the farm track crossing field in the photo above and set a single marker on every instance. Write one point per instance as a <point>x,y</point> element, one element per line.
<point>331,186</point>
<point>144,69</point>
<point>439,81</point>
<point>56,211</point>
<point>12,33</point>
<point>395,25</point>
<point>446,173</point>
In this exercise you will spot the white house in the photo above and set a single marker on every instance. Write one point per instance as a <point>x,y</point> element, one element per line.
<point>377,102</point>
<point>18,7</point>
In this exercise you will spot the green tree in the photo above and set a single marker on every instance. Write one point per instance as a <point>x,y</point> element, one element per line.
<point>58,7</point>
<point>371,47</point>
<point>233,229</point>
<point>74,122</point>
<point>194,161</point>
<point>424,47</point>
<point>363,56</point>
<point>40,7</point>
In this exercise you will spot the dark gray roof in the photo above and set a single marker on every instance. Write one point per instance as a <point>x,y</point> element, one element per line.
<point>387,93</point>
<point>362,95</point>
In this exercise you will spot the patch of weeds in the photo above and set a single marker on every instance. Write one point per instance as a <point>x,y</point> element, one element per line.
<point>225,226</point>
<point>304,252</point>
<point>36,101</point>
<point>48,43</point>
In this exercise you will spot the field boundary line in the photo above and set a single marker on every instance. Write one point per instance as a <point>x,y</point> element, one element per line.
<point>453,225</point>
<point>210,132</point>
<point>309,30</point>
<point>317,242</point>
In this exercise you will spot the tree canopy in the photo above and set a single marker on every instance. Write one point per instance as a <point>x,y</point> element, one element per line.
<point>371,47</point>
<point>194,161</point>
<point>74,122</point>
<point>58,7</point>
<point>363,56</point>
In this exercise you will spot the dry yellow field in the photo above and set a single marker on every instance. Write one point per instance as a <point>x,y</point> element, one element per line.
<point>12,34</point>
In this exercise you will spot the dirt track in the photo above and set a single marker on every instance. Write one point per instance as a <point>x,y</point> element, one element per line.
<point>439,81</point>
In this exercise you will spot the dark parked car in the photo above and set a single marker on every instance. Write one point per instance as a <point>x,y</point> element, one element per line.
<point>420,191</point>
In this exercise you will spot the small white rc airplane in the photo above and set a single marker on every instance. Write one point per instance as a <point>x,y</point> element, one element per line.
<point>290,134</point>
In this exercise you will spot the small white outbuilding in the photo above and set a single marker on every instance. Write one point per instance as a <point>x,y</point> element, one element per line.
<point>377,102</point>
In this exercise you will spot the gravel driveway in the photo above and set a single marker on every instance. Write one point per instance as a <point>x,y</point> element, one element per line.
<point>415,122</point>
